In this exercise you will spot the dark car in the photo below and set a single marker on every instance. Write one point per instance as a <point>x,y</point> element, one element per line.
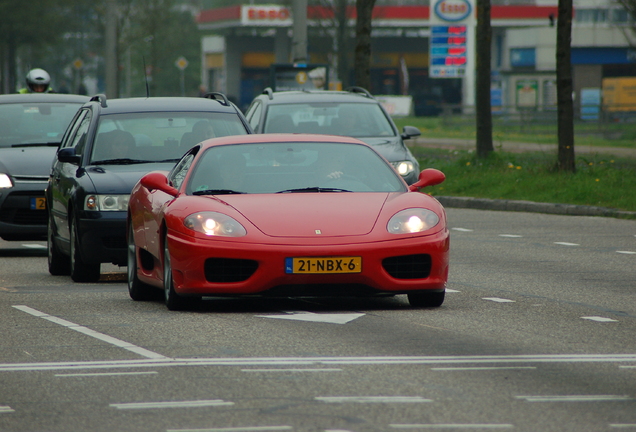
<point>107,148</point>
<point>355,113</point>
<point>31,128</point>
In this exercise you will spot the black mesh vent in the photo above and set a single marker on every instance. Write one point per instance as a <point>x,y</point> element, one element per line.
<point>23,216</point>
<point>229,269</point>
<point>408,266</point>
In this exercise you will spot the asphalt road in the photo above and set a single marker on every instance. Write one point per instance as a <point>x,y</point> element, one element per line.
<point>537,334</point>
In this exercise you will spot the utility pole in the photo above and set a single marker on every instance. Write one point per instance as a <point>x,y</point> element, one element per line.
<point>299,37</point>
<point>482,91</point>
<point>565,109</point>
<point>112,90</point>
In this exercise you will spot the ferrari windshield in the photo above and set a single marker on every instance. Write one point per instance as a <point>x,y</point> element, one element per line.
<point>37,123</point>
<point>348,119</point>
<point>158,136</point>
<point>292,167</point>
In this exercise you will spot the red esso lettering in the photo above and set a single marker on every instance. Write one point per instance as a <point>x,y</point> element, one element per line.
<point>268,14</point>
<point>453,8</point>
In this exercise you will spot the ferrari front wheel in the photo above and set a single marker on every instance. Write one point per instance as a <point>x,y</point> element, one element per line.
<point>174,301</point>
<point>426,298</point>
<point>137,289</point>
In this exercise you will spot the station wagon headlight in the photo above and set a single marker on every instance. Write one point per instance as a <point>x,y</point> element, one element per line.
<point>411,221</point>
<point>5,181</point>
<point>403,167</point>
<point>214,224</point>
<point>106,202</point>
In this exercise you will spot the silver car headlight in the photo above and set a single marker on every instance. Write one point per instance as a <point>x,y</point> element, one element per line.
<point>214,224</point>
<point>403,168</point>
<point>5,181</point>
<point>411,221</point>
<point>106,202</point>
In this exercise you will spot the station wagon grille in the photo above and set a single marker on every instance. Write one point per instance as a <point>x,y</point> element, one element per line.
<point>229,269</point>
<point>408,266</point>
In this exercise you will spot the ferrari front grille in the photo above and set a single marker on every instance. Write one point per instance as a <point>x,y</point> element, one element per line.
<point>408,266</point>
<point>229,269</point>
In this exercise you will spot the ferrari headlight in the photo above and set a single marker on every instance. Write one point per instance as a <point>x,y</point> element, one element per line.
<point>5,181</point>
<point>403,167</point>
<point>214,224</point>
<point>412,220</point>
<point>106,202</point>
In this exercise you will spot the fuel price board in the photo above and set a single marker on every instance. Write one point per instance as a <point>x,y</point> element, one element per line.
<point>447,52</point>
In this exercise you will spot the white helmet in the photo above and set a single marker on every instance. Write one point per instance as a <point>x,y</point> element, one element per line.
<point>38,77</point>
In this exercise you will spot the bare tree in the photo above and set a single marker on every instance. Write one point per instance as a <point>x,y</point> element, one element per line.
<point>565,110</point>
<point>482,91</point>
<point>362,62</point>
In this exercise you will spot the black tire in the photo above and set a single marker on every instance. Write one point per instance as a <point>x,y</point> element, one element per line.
<point>138,290</point>
<point>420,299</point>
<point>59,264</point>
<point>174,301</point>
<point>80,270</point>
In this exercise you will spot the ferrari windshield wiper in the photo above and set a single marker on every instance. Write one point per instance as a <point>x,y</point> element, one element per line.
<point>216,192</point>
<point>37,144</point>
<point>121,161</point>
<point>313,189</point>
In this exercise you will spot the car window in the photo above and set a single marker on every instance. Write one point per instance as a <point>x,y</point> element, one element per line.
<point>254,114</point>
<point>35,123</point>
<point>277,167</point>
<point>159,136</point>
<point>348,119</point>
<point>179,172</point>
<point>79,139</point>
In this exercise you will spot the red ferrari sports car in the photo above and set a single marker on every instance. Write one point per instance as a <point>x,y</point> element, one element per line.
<point>286,215</point>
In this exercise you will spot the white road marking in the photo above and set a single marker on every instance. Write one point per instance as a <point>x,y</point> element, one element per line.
<point>6,409</point>
<point>331,318</point>
<point>372,399</point>
<point>576,398</point>
<point>626,252</point>
<point>482,368</point>
<point>462,229</point>
<point>623,426</point>
<point>172,404</point>
<point>566,244</point>
<point>498,300</point>
<point>448,290</point>
<point>293,370</point>
<point>599,319</point>
<point>236,429</point>
<point>33,246</point>
<point>452,426</point>
<point>510,235</point>
<point>315,361</point>
<point>105,374</point>
<point>85,330</point>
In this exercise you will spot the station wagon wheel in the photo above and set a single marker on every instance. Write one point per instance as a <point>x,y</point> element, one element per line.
<point>174,301</point>
<point>59,264</point>
<point>137,289</point>
<point>80,270</point>
<point>426,298</point>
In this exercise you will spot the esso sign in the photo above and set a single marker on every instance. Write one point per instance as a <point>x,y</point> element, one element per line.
<point>267,13</point>
<point>453,10</point>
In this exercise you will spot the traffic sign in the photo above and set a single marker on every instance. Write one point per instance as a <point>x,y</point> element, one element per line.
<point>181,63</point>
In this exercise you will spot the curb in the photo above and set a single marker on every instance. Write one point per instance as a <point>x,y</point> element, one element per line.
<point>533,207</point>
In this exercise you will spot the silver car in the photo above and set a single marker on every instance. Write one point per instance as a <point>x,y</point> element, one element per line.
<point>31,129</point>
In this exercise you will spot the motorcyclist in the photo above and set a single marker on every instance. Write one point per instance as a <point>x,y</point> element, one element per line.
<point>38,81</point>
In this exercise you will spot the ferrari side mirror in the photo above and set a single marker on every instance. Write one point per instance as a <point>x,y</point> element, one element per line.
<point>428,177</point>
<point>158,181</point>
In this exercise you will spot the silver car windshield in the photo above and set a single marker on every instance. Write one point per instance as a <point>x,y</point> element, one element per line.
<point>292,167</point>
<point>40,123</point>
<point>349,119</point>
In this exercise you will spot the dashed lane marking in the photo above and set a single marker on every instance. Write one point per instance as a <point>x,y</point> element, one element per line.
<point>373,399</point>
<point>6,409</point>
<point>172,404</point>
<point>498,300</point>
<point>577,398</point>
<point>462,229</point>
<point>598,319</point>
<point>453,426</point>
<point>99,374</point>
<point>626,252</point>
<point>510,235</point>
<point>566,244</point>
<point>236,429</point>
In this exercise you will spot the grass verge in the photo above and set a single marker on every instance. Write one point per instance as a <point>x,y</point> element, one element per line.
<point>598,181</point>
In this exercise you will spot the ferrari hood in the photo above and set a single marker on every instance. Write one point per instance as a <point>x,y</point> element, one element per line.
<point>311,214</point>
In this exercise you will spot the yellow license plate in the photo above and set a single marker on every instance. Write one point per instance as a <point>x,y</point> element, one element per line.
<point>38,203</point>
<point>322,265</point>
